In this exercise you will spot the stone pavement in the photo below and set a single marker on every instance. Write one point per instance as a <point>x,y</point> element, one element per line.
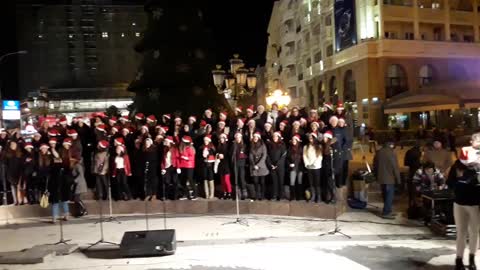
<point>269,242</point>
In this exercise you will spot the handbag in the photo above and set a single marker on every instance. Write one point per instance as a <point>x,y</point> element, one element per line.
<point>44,203</point>
<point>215,165</point>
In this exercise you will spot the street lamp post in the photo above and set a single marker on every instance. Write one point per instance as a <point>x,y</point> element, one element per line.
<point>1,59</point>
<point>237,83</point>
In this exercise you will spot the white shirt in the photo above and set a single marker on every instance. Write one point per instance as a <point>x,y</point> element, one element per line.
<point>310,158</point>
<point>119,162</point>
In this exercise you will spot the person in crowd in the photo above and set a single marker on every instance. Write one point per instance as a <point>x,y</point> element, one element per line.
<point>339,147</point>
<point>121,170</point>
<point>277,154</point>
<point>28,169</point>
<point>250,112</point>
<point>428,178</point>
<point>100,169</point>
<point>208,152</point>
<point>151,165</point>
<point>79,184</point>
<point>413,161</point>
<point>452,141</point>
<point>60,182</point>
<point>268,131</point>
<point>387,172</point>
<point>250,130</point>
<point>273,115</point>
<point>294,116</point>
<point>261,116</point>
<point>439,156</point>
<point>463,179</point>
<point>327,183</point>
<point>169,165</point>
<point>312,158</point>
<point>295,168</point>
<point>43,165</point>
<point>223,167</point>
<point>137,180</point>
<point>186,166</point>
<point>239,158</point>
<point>208,117</point>
<point>346,149</point>
<point>372,143</point>
<point>13,161</point>
<point>258,164</point>
<point>327,112</point>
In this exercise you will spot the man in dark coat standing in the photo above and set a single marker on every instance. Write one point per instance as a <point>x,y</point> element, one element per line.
<point>387,172</point>
<point>338,151</point>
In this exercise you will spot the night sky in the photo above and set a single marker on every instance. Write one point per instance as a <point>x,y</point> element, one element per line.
<point>238,27</point>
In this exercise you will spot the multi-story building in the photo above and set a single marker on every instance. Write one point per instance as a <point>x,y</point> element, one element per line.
<point>395,62</point>
<point>78,44</point>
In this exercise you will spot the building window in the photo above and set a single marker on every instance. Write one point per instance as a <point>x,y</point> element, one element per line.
<point>396,81</point>
<point>425,75</point>
<point>321,93</point>
<point>328,20</point>
<point>390,35</point>
<point>332,90</point>
<point>104,34</point>
<point>329,50</point>
<point>350,91</point>
<point>318,57</point>
<point>409,36</point>
<point>137,34</point>
<point>468,38</point>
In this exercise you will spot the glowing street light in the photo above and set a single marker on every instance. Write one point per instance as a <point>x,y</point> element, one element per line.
<point>279,98</point>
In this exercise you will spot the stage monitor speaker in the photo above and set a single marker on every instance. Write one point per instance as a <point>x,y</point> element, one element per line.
<point>148,243</point>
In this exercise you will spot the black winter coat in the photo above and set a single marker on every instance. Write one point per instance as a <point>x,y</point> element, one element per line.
<point>223,166</point>
<point>277,154</point>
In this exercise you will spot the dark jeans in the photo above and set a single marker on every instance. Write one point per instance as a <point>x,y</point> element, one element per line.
<point>207,171</point>
<point>259,182</point>
<point>123,184</point>
<point>388,192</point>
<point>242,184</point>
<point>170,183</point>
<point>187,181</point>
<point>314,177</point>
<point>278,178</point>
<point>102,187</point>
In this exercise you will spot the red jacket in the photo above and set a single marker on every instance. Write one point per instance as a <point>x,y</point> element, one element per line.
<point>174,158</point>
<point>186,159</point>
<point>126,165</point>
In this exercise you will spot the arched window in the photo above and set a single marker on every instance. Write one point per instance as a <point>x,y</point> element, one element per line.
<point>321,93</point>
<point>350,90</point>
<point>425,75</point>
<point>457,72</point>
<point>332,90</point>
<point>396,81</point>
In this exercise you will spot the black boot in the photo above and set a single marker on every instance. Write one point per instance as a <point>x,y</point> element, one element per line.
<point>471,262</point>
<point>459,264</point>
<point>259,192</point>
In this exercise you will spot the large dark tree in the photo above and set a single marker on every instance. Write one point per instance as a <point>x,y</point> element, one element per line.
<point>178,59</point>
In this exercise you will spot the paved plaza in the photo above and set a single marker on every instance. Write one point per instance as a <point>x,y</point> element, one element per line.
<point>269,242</point>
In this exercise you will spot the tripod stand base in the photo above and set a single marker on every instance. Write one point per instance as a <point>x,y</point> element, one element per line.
<point>334,232</point>
<point>110,219</point>
<point>100,242</point>
<point>239,221</point>
<point>62,242</point>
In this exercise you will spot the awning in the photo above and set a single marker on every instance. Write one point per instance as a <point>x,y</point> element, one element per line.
<point>414,102</point>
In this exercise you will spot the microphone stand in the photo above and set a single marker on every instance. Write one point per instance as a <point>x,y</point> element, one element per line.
<point>337,229</point>
<point>111,218</point>
<point>100,220</point>
<point>238,220</point>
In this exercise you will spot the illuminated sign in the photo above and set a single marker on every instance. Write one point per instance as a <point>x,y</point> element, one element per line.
<point>11,105</point>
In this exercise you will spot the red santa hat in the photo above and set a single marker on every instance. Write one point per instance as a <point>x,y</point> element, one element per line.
<point>144,127</point>
<point>208,138</point>
<point>278,134</point>
<point>468,155</point>
<point>239,109</point>
<point>328,134</point>
<point>80,118</point>
<point>151,119</point>
<point>28,146</point>
<point>296,123</point>
<point>268,124</point>
<point>170,139</point>
<point>167,116</point>
<point>72,132</point>
<point>101,127</point>
<point>340,106</point>
<point>122,148</point>
<point>251,121</point>
<point>242,120</point>
<point>223,135</point>
<point>238,135</point>
<point>203,123</point>
<point>164,129</point>
<point>139,116</point>
<point>116,128</point>
<point>314,135</point>
<point>297,138</point>
<point>224,114</point>
<point>315,123</point>
<point>63,121</point>
<point>126,129</point>
<point>52,140</point>
<point>251,109</point>
<point>257,134</point>
<point>124,119</point>
<point>221,123</point>
<point>119,140</point>
<point>284,123</point>
<point>53,132</point>
<point>303,120</point>
<point>328,105</point>
<point>44,146</point>
<point>313,110</point>
<point>112,120</point>
<point>103,144</point>
<point>187,139</point>
<point>148,139</point>
<point>193,118</point>
<point>178,118</point>
<point>67,141</point>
